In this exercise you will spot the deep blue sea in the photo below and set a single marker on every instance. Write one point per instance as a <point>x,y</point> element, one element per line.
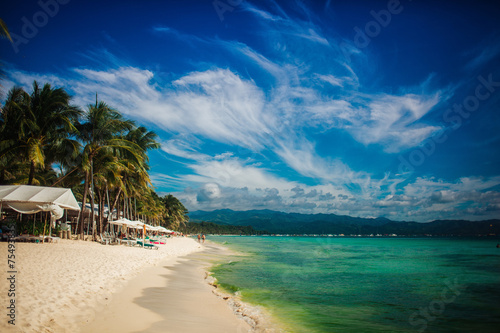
<point>319,284</point>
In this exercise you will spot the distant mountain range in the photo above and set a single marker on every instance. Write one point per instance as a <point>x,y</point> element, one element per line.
<point>275,222</point>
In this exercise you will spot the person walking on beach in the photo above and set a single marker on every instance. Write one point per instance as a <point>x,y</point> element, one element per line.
<point>203,237</point>
<point>198,238</point>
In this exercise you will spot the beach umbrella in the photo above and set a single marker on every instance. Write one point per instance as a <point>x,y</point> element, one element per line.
<point>128,224</point>
<point>136,224</point>
<point>123,221</point>
<point>164,230</point>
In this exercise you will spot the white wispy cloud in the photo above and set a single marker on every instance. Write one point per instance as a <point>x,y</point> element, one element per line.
<point>184,37</point>
<point>334,81</point>
<point>302,29</point>
<point>482,55</point>
<point>393,121</point>
<point>263,14</point>
<point>183,146</point>
<point>25,79</point>
<point>302,157</point>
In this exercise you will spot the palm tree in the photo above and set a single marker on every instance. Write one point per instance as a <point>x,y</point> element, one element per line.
<point>144,139</point>
<point>150,207</point>
<point>107,175</point>
<point>176,213</point>
<point>37,127</point>
<point>101,131</point>
<point>4,31</point>
<point>10,117</point>
<point>136,177</point>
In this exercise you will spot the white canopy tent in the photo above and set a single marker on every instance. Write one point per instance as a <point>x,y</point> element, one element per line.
<point>27,199</point>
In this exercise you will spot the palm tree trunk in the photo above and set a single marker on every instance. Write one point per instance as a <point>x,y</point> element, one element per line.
<point>44,225</point>
<point>32,173</point>
<point>92,212</point>
<point>124,206</point>
<point>130,208</point>
<point>100,204</point>
<point>107,197</point>
<point>84,201</point>
<point>62,178</point>
<point>115,202</point>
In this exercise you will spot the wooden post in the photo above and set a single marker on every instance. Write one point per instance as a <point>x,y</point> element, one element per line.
<point>143,234</point>
<point>44,225</point>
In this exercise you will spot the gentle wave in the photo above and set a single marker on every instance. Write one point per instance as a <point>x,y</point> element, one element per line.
<point>318,284</point>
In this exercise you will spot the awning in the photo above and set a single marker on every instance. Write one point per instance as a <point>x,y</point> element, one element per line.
<point>27,199</point>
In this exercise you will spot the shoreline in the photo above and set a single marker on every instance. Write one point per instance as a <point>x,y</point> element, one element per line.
<point>174,296</point>
<point>256,316</point>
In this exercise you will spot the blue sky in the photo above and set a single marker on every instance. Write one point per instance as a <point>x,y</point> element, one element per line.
<point>362,108</point>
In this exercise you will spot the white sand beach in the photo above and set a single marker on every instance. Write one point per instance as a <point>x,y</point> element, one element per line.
<point>61,286</point>
<point>174,297</point>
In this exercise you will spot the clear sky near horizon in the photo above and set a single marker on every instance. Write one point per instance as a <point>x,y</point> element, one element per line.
<point>363,108</point>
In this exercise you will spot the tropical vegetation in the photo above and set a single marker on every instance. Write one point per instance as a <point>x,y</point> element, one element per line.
<point>97,152</point>
<point>211,228</point>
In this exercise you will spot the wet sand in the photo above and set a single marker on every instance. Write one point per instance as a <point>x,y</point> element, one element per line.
<point>171,297</point>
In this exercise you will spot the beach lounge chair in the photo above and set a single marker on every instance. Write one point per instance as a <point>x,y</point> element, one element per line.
<point>51,239</point>
<point>114,238</point>
<point>26,238</point>
<point>129,241</point>
<point>31,238</point>
<point>147,245</point>
<point>156,241</point>
<point>55,239</point>
<point>105,240</point>
<point>111,237</point>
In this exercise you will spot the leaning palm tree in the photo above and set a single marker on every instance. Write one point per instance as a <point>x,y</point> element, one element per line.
<point>4,31</point>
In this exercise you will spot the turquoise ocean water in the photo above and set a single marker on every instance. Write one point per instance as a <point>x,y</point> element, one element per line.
<point>319,284</point>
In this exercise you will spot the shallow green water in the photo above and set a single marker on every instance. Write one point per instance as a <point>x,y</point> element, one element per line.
<point>368,284</point>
